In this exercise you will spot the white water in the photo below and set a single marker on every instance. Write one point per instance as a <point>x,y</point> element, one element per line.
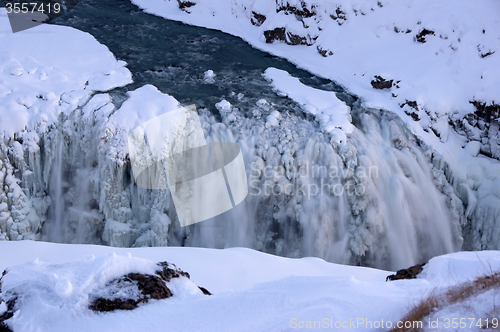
<point>402,218</point>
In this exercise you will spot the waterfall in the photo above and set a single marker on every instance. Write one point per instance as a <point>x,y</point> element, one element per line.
<point>372,199</point>
<point>54,227</point>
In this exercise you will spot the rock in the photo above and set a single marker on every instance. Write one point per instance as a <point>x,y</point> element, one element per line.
<point>140,288</point>
<point>413,104</point>
<point>9,312</point>
<point>484,51</point>
<point>302,12</point>
<point>339,16</point>
<point>204,290</point>
<point>257,19</point>
<point>420,37</point>
<point>280,34</point>
<point>380,83</point>
<point>409,273</point>
<point>183,4</point>
<point>488,113</point>
<point>324,53</point>
<point>168,273</point>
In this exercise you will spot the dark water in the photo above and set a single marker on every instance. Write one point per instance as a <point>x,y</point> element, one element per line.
<point>174,56</point>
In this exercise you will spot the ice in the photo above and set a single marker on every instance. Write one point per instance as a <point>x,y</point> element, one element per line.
<point>3,308</point>
<point>210,76</point>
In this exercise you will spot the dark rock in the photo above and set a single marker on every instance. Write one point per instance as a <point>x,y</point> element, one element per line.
<point>484,55</point>
<point>396,29</point>
<point>204,290</point>
<point>413,104</point>
<point>11,303</point>
<point>4,327</point>
<point>324,53</point>
<point>167,273</point>
<point>294,39</point>
<point>183,4</point>
<point>409,273</point>
<point>10,306</point>
<point>488,113</point>
<point>280,34</point>
<point>258,19</point>
<point>105,305</point>
<point>151,287</point>
<point>339,16</point>
<point>413,115</point>
<point>421,35</point>
<point>380,83</point>
<point>302,12</point>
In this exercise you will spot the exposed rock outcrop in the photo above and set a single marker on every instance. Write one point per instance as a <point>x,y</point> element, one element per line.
<point>140,288</point>
<point>409,273</point>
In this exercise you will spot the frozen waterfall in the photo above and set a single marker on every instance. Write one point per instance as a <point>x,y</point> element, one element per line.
<point>371,199</point>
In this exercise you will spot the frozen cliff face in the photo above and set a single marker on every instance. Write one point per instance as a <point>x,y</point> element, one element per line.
<point>40,84</point>
<point>357,199</point>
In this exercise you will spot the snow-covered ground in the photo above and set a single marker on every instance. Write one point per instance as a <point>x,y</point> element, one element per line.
<point>50,70</point>
<point>252,291</point>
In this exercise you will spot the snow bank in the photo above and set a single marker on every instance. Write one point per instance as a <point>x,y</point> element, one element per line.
<point>48,70</point>
<point>45,293</point>
<point>252,291</point>
<point>333,114</point>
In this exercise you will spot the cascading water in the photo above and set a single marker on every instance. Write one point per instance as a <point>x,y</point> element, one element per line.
<point>371,201</point>
<point>54,226</point>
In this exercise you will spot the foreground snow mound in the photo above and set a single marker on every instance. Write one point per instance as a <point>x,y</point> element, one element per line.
<point>253,291</point>
<point>37,289</point>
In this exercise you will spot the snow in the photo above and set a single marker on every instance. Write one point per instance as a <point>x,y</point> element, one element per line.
<point>251,291</point>
<point>3,308</point>
<point>47,70</point>
<point>331,112</point>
